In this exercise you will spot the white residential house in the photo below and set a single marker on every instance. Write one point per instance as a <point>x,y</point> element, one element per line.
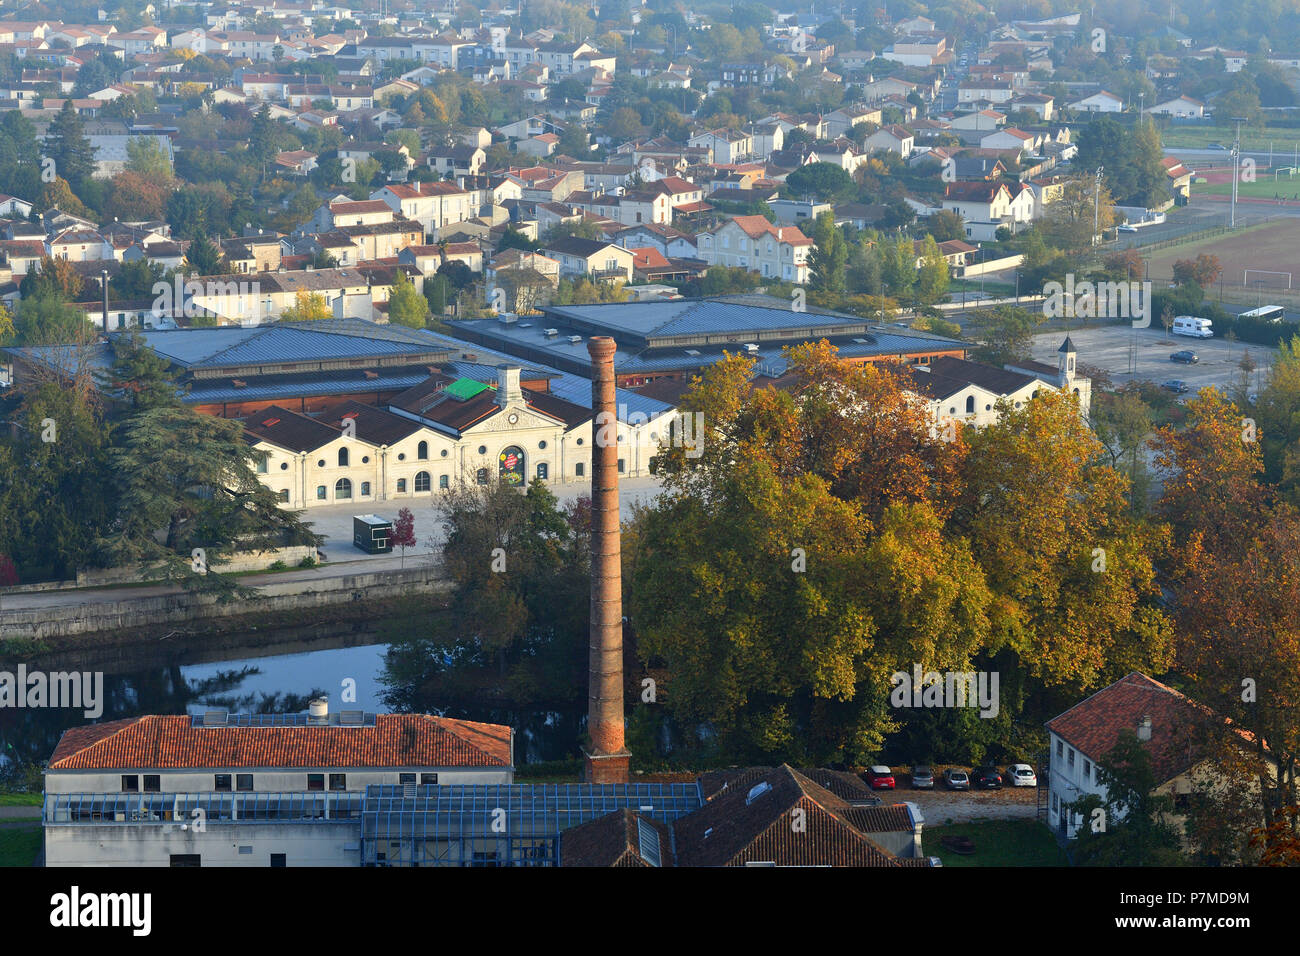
<point>1099,102</point>
<point>753,243</point>
<point>728,146</point>
<point>1010,138</point>
<point>896,139</point>
<point>1169,725</point>
<point>1180,107</point>
<point>987,205</point>
<point>433,205</point>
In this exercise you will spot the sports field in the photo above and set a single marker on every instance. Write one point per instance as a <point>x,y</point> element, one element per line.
<point>1282,138</point>
<point>1266,249</point>
<point>1265,186</point>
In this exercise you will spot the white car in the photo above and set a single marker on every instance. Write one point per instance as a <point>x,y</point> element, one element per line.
<point>1021,775</point>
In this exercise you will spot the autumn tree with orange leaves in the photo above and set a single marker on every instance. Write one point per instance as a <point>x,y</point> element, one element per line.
<point>1237,571</point>
<point>832,534</point>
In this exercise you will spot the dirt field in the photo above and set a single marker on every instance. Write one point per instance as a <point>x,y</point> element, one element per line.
<point>1270,245</point>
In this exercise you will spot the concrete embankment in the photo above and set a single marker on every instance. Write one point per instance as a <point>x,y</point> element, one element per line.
<point>126,609</point>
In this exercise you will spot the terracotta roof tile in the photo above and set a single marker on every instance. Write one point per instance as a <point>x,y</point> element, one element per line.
<point>172,742</point>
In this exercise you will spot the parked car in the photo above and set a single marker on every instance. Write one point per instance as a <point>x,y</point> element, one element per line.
<point>955,779</point>
<point>1216,146</point>
<point>1127,228</point>
<point>1021,775</point>
<point>986,778</point>
<point>880,778</point>
<point>1186,357</point>
<point>1175,386</point>
<point>922,778</point>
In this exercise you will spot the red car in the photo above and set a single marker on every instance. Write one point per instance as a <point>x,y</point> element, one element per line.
<point>880,778</point>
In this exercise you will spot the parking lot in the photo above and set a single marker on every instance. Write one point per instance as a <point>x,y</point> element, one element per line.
<point>1143,354</point>
<point>941,806</point>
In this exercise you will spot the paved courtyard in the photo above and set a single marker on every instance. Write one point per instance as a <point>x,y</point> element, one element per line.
<point>335,521</point>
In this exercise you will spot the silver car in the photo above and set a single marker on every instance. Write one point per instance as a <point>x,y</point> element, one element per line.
<point>922,778</point>
<point>955,779</point>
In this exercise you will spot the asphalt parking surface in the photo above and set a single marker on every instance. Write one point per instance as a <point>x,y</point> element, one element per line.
<point>1114,347</point>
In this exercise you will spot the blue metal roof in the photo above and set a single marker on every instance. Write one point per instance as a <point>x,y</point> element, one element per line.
<point>576,389</point>
<point>321,383</point>
<point>740,313</point>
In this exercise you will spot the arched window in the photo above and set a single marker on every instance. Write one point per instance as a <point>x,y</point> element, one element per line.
<point>342,489</point>
<point>365,489</point>
<point>444,481</point>
<point>422,481</point>
<point>401,486</point>
<point>970,404</point>
<point>541,470</point>
<point>343,457</point>
<point>482,476</point>
<point>320,492</point>
<point>284,496</point>
<point>422,450</point>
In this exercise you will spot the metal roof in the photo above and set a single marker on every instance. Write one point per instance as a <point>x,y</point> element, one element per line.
<point>739,313</point>
<point>576,389</point>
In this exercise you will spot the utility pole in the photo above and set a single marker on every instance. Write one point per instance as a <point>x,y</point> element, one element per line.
<point>1096,207</point>
<point>1236,165</point>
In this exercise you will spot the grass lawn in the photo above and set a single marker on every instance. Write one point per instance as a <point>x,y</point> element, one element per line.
<point>20,799</point>
<point>1198,137</point>
<point>19,845</point>
<point>997,843</point>
<point>1264,187</point>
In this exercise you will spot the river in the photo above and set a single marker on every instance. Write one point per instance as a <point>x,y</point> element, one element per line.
<point>276,671</point>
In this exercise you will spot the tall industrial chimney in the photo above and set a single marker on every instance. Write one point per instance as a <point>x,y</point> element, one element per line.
<point>608,758</point>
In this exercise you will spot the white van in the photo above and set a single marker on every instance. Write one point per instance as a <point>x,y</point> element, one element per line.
<point>1192,326</point>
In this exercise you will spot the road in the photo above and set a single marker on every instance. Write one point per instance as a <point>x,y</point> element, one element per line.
<point>342,559</point>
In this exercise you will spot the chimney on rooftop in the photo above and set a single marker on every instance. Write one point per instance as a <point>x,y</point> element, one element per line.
<point>607,760</point>
<point>1144,728</point>
<point>508,390</point>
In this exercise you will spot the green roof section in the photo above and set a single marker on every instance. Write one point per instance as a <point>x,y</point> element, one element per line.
<point>463,389</point>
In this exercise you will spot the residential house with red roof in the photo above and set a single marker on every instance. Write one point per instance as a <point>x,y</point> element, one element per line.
<point>1175,730</point>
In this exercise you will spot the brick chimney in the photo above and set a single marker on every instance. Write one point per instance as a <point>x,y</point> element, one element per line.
<point>608,758</point>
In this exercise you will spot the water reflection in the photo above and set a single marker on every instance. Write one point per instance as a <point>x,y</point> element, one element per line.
<point>161,683</point>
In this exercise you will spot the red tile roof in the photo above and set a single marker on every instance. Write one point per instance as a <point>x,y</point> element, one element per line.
<point>1178,724</point>
<point>172,742</point>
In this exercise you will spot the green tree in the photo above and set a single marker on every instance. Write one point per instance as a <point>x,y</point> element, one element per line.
<point>824,181</point>
<point>135,280</point>
<point>145,156</point>
<point>1130,826</point>
<point>48,320</point>
<point>933,275</point>
<point>204,257</point>
<point>829,256</point>
<point>67,145</point>
<point>405,305</point>
<point>185,489</point>
<point>518,629</point>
